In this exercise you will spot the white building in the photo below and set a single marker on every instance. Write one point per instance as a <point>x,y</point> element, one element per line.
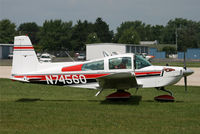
<point>94,51</point>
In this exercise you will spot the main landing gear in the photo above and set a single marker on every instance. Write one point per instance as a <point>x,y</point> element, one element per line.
<point>123,95</point>
<point>119,95</point>
<point>164,98</point>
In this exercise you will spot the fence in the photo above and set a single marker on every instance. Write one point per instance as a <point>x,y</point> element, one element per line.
<point>158,55</point>
<point>191,53</point>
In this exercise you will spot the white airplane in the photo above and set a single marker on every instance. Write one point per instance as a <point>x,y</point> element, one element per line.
<point>147,57</point>
<point>119,72</point>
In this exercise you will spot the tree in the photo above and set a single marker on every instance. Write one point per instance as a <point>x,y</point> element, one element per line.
<point>129,36</point>
<point>185,31</point>
<point>31,29</point>
<point>7,31</point>
<point>187,37</point>
<point>157,33</point>
<point>169,50</point>
<point>92,38</point>
<point>55,35</point>
<point>102,30</point>
<point>80,34</point>
<point>138,26</point>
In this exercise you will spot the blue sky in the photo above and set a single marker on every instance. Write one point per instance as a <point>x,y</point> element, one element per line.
<point>114,12</point>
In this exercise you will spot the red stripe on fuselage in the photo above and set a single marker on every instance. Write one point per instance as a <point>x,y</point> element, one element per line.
<point>72,68</point>
<point>146,73</point>
<point>41,77</point>
<point>54,76</point>
<point>19,76</point>
<point>90,76</point>
<point>87,76</point>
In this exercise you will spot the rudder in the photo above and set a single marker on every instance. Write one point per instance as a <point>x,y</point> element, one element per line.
<point>24,56</point>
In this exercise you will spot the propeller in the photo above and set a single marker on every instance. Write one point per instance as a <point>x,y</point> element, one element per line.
<point>185,77</point>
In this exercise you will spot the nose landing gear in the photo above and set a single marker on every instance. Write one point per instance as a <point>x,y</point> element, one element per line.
<point>164,98</point>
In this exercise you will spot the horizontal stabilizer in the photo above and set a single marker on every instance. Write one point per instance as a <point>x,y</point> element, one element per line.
<point>19,79</point>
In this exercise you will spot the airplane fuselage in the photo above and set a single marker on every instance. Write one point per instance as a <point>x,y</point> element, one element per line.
<point>121,71</point>
<point>73,74</point>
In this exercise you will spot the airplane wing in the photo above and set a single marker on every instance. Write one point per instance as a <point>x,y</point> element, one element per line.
<point>124,80</point>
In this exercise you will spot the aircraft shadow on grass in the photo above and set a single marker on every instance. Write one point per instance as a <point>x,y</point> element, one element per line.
<point>133,100</point>
<point>28,100</point>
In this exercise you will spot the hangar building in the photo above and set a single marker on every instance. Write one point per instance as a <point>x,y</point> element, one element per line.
<point>5,50</point>
<point>95,50</point>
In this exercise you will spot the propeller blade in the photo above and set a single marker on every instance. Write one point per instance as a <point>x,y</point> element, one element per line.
<point>184,61</point>
<point>185,81</point>
<point>185,77</point>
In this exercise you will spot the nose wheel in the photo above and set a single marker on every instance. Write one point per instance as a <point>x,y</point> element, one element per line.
<point>164,98</point>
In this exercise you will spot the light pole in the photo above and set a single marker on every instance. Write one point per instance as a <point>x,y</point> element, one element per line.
<point>176,39</point>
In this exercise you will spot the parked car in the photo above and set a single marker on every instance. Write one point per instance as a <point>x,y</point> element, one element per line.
<point>10,56</point>
<point>81,56</point>
<point>45,58</point>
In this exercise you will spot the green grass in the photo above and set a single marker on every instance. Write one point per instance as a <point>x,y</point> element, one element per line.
<point>31,108</point>
<point>180,64</point>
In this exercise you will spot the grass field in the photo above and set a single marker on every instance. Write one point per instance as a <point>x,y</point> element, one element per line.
<point>163,62</point>
<point>42,109</point>
<point>179,64</point>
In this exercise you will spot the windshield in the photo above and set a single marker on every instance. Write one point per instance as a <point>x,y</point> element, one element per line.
<point>140,62</point>
<point>96,65</point>
<point>120,63</point>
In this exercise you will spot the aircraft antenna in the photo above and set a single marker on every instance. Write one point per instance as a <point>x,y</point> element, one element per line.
<point>69,56</point>
<point>105,54</point>
<point>114,53</point>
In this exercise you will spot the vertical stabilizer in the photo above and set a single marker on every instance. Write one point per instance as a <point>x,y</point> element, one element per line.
<point>24,56</point>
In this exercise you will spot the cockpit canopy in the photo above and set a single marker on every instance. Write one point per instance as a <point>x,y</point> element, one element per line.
<point>141,62</point>
<point>117,62</point>
<point>120,63</point>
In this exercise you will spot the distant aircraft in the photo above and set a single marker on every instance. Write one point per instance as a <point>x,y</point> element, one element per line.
<point>121,72</point>
<point>147,57</point>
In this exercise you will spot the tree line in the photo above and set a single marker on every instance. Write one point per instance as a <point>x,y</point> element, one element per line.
<point>57,35</point>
